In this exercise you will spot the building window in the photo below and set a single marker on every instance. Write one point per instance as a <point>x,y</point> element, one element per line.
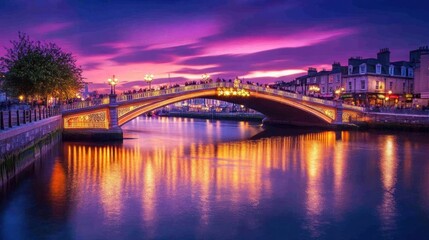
<point>314,80</point>
<point>378,69</point>
<point>350,86</point>
<point>403,71</point>
<point>337,78</point>
<point>403,87</point>
<point>362,84</point>
<point>390,85</point>
<point>410,72</point>
<point>350,69</point>
<point>377,85</point>
<point>411,87</point>
<point>323,89</point>
<point>391,70</point>
<point>362,68</point>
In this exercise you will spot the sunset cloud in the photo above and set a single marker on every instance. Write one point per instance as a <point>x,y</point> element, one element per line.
<point>264,40</point>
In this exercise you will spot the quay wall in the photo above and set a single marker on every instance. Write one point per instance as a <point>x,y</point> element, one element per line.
<point>391,121</point>
<point>20,147</point>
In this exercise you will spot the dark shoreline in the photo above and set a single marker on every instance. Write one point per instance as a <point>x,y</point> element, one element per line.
<point>252,117</point>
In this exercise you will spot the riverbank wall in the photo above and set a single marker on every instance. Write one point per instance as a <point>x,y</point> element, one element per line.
<point>376,121</point>
<point>21,147</point>
<point>391,121</point>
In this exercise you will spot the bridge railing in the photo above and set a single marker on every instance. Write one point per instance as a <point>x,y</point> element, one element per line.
<point>180,89</point>
<point>85,104</point>
<point>257,88</point>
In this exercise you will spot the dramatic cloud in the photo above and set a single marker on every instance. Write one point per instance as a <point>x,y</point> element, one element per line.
<point>264,40</point>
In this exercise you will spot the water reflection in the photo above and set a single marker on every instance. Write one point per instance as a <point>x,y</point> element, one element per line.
<point>388,168</point>
<point>232,173</point>
<point>189,179</point>
<point>58,189</point>
<point>339,166</point>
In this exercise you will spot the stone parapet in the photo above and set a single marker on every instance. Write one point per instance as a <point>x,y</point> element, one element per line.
<point>18,138</point>
<point>22,146</point>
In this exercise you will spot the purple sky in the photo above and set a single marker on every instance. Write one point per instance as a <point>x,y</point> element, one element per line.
<point>252,39</point>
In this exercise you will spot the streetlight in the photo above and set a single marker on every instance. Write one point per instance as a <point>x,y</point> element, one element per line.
<point>388,97</point>
<point>148,78</point>
<point>205,77</point>
<point>112,82</point>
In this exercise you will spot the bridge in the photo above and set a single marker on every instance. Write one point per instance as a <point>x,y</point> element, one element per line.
<point>104,118</point>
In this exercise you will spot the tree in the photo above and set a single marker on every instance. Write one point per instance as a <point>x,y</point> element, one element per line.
<point>39,70</point>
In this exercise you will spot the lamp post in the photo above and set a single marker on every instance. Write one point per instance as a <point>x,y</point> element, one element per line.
<point>205,77</point>
<point>148,78</point>
<point>112,82</point>
<point>388,98</point>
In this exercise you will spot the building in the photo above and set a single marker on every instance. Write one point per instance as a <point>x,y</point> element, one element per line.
<point>322,84</point>
<point>378,81</point>
<point>331,83</point>
<point>420,59</point>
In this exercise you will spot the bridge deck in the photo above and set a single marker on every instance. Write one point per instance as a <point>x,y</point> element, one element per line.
<point>184,89</point>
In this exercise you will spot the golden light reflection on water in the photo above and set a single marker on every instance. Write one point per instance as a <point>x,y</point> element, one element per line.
<point>231,173</point>
<point>234,172</point>
<point>341,153</point>
<point>388,168</point>
<point>58,187</point>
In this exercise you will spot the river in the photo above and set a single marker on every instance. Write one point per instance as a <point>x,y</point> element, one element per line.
<point>176,178</point>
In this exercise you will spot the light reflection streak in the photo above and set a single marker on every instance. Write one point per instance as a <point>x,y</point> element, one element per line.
<point>339,166</point>
<point>314,200</point>
<point>388,168</point>
<point>57,187</point>
<point>231,173</point>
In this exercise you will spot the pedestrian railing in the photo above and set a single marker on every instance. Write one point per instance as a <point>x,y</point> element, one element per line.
<point>15,118</point>
<point>85,104</point>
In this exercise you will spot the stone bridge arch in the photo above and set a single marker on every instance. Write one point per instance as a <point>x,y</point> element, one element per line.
<point>279,107</point>
<point>275,108</point>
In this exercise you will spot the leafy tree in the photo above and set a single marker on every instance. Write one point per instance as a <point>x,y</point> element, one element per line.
<point>39,70</point>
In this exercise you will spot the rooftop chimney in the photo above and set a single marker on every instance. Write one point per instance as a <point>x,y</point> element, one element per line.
<point>312,71</point>
<point>383,56</point>
<point>415,54</point>
<point>336,66</point>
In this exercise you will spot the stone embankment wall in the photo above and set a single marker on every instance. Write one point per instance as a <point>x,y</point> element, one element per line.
<point>20,147</point>
<point>395,121</point>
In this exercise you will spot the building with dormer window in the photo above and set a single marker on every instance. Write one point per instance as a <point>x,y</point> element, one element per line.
<point>377,81</point>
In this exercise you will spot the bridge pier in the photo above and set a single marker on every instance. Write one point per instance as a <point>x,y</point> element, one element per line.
<point>339,113</point>
<point>112,133</point>
<point>338,123</point>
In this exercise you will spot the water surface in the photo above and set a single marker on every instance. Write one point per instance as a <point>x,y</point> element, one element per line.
<point>175,178</point>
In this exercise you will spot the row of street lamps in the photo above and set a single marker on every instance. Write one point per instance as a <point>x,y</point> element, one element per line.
<point>148,78</point>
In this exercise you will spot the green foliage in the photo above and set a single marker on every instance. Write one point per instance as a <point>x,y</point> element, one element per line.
<point>39,70</point>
